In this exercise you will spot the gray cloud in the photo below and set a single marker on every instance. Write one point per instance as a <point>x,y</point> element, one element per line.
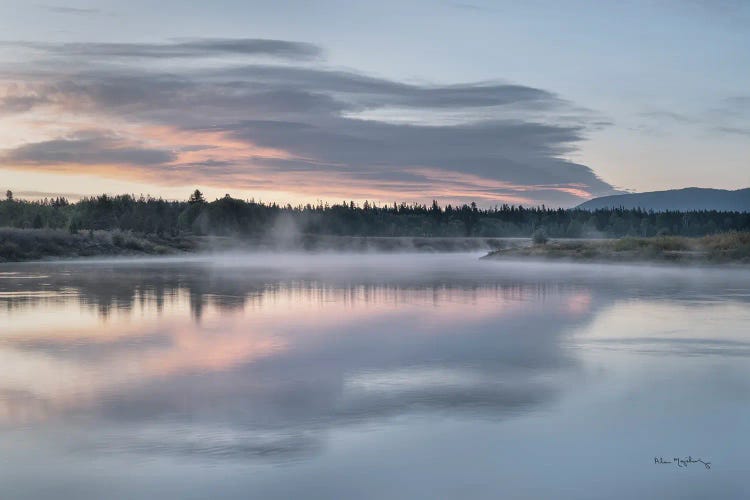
<point>471,7</point>
<point>728,116</point>
<point>20,103</point>
<point>734,130</point>
<point>741,101</point>
<point>511,139</point>
<point>58,9</point>
<point>87,149</point>
<point>282,89</point>
<point>382,92</point>
<point>513,152</point>
<point>189,48</point>
<point>727,111</point>
<point>668,115</point>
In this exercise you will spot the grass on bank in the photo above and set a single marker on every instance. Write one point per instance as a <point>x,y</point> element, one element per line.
<point>34,244</point>
<point>732,247</point>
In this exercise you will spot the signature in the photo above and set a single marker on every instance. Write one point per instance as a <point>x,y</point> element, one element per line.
<point>682,462</point>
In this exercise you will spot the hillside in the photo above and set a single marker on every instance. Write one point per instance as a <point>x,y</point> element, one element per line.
<point>676,199</point>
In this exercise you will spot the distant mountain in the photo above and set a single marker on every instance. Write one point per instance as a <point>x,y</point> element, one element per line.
<point>677,199</point>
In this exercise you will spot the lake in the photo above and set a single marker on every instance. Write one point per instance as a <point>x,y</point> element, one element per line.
<point>415,376</point>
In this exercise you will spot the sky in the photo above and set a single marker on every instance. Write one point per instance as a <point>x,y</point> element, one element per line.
<point>290,101</point>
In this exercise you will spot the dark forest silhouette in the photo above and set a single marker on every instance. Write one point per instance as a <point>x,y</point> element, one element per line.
<point>229,216</point>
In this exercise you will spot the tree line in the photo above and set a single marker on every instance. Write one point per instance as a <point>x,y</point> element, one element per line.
<point>229,216</point>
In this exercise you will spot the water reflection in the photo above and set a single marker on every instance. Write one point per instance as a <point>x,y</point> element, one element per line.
<point>262,360</point>
<point>264,357</point>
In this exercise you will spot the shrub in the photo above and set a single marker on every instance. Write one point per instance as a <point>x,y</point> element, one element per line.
<point>118,239</point>
<point>539,237</point>
<point>9,250</point>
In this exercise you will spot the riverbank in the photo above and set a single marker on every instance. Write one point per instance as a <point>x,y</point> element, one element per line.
<point>17,245</point>
<point>726,248</point>
<point>38,244</point>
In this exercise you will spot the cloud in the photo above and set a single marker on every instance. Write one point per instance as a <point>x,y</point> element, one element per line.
<point>740,101</point>
<point>309,129</point>
<point>20,103</point>
<point>189,48</point>
<point>728,117</point>
<point>71,10</point>
<point>734,130</point>
<point>669,116</point>
<point>471,7</point>
<point>87,148</point>
<point>379,92</point>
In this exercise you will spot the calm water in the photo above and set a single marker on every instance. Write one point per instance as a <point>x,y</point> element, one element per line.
<point>402,376</point>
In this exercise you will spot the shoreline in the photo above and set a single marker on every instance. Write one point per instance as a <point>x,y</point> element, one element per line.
<point>25,245</point>
<point>718,249</point>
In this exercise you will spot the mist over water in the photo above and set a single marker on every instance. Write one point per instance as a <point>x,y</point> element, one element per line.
<point>402,375</point>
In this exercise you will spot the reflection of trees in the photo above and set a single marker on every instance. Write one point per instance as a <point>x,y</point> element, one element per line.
<point>117,287</point>
<point>107,288</point>
<point>120,287</point>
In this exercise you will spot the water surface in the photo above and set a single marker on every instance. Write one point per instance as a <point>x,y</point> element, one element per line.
<point>371,376</point>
